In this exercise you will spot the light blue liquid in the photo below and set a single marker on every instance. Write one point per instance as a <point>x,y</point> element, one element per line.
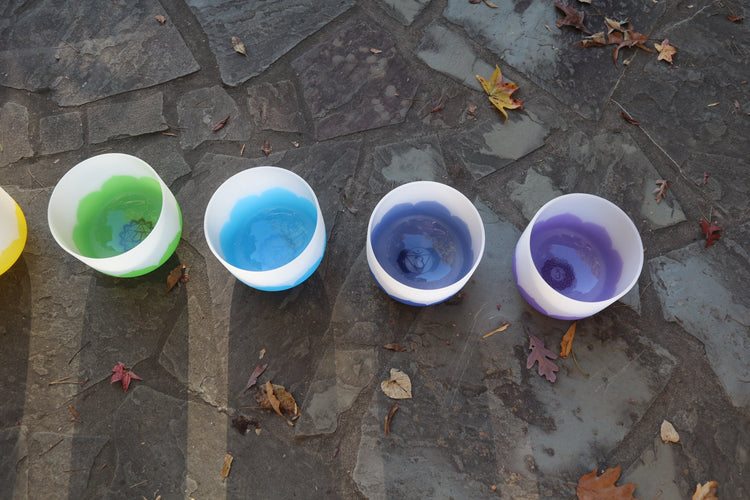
<point>267,231</point>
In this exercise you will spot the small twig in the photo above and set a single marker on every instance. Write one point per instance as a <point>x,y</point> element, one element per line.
<point>2,141</point>
<point>102,149</point>
<point>50,448</point>
<point>644,290</point>
<point>60,381</point>
<point>499,329</point>
<point>79,350</point>
<point>76,470</point>
<point>138,484</point>
<point>573,354</point>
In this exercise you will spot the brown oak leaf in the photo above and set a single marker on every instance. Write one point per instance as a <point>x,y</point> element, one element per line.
<point>593,487</point>
<point>627,39</point>
<point>572,17</point>
<point>711,230</point>
<point>540,354</point>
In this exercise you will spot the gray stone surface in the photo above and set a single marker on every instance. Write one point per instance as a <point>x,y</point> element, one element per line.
<point>126,118</point>
<point>694,289</point>
<point>274,107</point>
<point>58,133</point>
<point>445,51</point>
<point>655,472</point>
<point>533,193</point>
<point>349,88</point>
<point>548,55</point>
<point>83,52</point>
<point>14,127</point>
<point>697,81</point>
<point>199,111</point>
<point>494,144</point>
<point>265,30</point>
<point>408,161</point>
<point>166,158</point>
<point>404,11</point>
<point>13,443</point>
<point>730,196</point>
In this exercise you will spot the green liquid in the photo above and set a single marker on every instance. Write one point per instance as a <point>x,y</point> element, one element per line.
<point>116,218</point>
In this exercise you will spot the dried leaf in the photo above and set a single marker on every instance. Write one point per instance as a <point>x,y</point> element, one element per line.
<point>628,118</point>
<point>277,398</point>
<point>376,51</point>
<point>669,433</point>
<point>122,374</point>
<point>475,1</point>
<point>666,51</point>
<point>227,465</point>
<point>627,39</point>
<point>597,40</point>
<point>567,341</point>
<point>711,230</point>
<point>266,148</point>
<point>501,328</point>
<point>220,124</point>
<point>395,347</point>
<point>490,4</point>
<point>500,92</point>
<point>541,354</point>
<point>593,487</point>
<point>661,191</point>
<point>706,491</point>
<point>585,1</point>
<point>472,111</point>
<point>398,386</point>
<point>713,104</point>
<point>572,17</point>
<point>238,46</point>
<point>389,417</point>
<point>254,376</point>
<point>160,18</point>
<point>735,19</point>
<point>613,25</point>
<point>177,275</point>
<point>705,177</point>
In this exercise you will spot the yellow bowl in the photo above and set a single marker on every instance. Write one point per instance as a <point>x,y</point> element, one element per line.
<point>12,231</point>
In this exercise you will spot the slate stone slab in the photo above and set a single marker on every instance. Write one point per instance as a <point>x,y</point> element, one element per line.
<point>722,186</point>
<point>697,286</point>
<point>13,450</point>
<point>698,78</point>
<point>83,52</point>
<point>531,194</point>
<point>126,118</point>
<point>73,453</point>
<point>408,161</point>
<point>14,124</point>
<point>268,30</point>
<point>165,157</point>
<point>150,434</point>
<point>658,471</point>
<point>516,33</point>
<point>404,11</point>
<point>614,168</point>
<point>447,52</point>
<point>199,111</point>
<point>348,88</point>
<point>63,132</point>
<point>274,107</point>
<point>494,144</point>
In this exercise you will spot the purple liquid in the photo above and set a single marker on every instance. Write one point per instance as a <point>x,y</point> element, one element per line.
<point>576,258</point>
<point>422,245</point>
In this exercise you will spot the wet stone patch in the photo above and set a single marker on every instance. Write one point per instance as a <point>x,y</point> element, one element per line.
<point>408,161</point>
<point>83,52</point>
<point>356,81</point>
<point>265,30</point>
<point>580,78</point>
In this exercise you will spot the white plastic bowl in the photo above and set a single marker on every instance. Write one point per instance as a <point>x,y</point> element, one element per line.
<point>457,205</point>
<point>87,178</point>
<point>254,182</point>
<point>624,239</point>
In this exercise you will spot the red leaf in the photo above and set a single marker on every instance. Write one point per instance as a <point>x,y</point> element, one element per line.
<point>711,230</point>
<point>540,353</point>
<point>122,374</point>
<point>572,17</point>
<point>221,124</point>
<point>254,377</point>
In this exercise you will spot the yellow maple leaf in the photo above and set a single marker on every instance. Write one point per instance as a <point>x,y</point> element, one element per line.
<point>500,92</point>
<point>567,342</point>
<point>666,51</point>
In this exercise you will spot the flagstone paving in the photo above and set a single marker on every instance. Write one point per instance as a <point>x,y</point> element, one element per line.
<point>357,98</point>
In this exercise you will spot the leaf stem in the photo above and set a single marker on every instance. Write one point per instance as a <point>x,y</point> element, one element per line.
<point>572,353</point>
